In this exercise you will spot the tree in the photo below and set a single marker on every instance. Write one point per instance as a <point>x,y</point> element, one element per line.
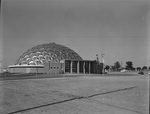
<point>133,68</point>
<point>107,67</point>
<point>129,65</point>
<point>144,68</point>
<point>113,68</point>
<point>117,65</point>
<point>138,68</point>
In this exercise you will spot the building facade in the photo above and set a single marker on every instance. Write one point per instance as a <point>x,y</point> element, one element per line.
<point>67,66</point>
<point>71,67</point>
<point>52,58</point>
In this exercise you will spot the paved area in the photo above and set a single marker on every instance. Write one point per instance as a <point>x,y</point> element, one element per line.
<point>76,95</point>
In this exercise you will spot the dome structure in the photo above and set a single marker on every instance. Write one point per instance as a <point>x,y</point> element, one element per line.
<point>45,53</point>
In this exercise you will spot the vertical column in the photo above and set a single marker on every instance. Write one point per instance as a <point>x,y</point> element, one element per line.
<point>89,67</point>
<point>78,62</point>
<point>63,68</point>
<point>71,67</point>
<point>83,67</point>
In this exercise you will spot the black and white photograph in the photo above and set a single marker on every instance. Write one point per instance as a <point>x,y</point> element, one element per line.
<point>74,56</point>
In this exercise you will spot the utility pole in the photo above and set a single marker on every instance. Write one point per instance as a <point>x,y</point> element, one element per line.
<point>97,58</point>
<point>102,55</point>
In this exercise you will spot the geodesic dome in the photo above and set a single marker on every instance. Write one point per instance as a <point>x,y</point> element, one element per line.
<point>45,53</point>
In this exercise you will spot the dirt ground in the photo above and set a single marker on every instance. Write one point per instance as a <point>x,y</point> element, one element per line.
<point>76,95</point>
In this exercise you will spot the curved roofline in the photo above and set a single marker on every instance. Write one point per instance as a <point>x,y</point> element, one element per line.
<point>55,52</point>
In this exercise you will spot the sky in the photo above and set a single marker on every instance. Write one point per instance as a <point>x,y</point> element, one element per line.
<point>118,28</point>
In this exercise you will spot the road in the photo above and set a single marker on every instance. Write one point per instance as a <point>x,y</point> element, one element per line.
<point>76,95</point>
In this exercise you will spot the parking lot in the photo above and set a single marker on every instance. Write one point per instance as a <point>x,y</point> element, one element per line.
<point>76,95</point>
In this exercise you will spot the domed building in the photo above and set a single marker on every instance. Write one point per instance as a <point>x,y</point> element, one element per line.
<point>45,53</point>
<point>52,58</point>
